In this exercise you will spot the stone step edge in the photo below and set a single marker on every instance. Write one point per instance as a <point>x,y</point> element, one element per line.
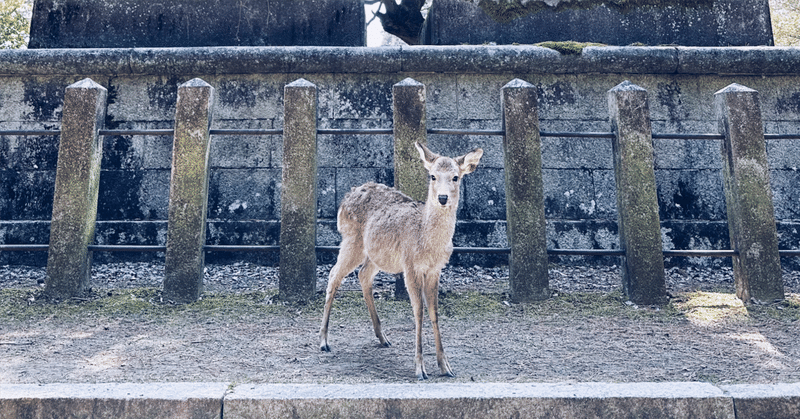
<point>231,400</point>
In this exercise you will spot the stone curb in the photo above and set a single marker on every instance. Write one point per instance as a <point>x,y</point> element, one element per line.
<point>441,400</point>
<point>443,59</point>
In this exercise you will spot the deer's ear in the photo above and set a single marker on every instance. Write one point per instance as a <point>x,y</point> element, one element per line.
<point>469,162</point>
<point>427,156</point>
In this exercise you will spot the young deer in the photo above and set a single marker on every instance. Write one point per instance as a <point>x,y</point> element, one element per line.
<point>384,229</point>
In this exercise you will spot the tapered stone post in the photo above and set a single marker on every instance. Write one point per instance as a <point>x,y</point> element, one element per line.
<point>72,227</point>
<point>527,231</point>
<point>410,126</point>
<point>643,276</point>
<point>188,193</point>
<point>748,197</point>
<point>298,265</point>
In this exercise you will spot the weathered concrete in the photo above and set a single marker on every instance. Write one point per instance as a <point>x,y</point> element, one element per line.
<point>699,23</point>
<point>355,91</point>
<point>490,400</point>
<point>520,59</point>
<point>748,195</point>
<point>298,263</point>
<point>77,180</point>
<point>525,218</point>
<point>187,23</point>
<point>643,276</point>
<point>774,401</point>
<point>113,400</point>
<point>188,193</point>
<point>524,400</point>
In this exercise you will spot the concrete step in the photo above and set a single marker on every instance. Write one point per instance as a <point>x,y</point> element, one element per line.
<point>436,400</point>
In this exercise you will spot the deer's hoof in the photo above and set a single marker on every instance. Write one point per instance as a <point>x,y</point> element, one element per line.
<point>386,344</point>
<point>423,376</point>
<point>449,374</point>
<point>325,348</point>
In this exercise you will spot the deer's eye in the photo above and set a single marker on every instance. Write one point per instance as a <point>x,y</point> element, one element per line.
<point>433,178</point>
<point>455,178</point>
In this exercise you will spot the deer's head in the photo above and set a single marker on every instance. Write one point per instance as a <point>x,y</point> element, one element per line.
<point>445,174</point>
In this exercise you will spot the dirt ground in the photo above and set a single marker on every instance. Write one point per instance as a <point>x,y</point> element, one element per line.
<point>243,334</point>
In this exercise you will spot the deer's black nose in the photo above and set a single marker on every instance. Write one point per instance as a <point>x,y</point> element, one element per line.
<point>442,199</point>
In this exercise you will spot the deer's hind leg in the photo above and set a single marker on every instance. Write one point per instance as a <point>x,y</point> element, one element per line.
<point>350,256</point>
<point>365,277</point>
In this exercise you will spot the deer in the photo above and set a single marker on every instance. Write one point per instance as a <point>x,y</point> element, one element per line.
<point>384,229</point>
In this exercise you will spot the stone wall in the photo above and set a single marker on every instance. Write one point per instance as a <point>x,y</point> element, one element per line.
<point>354,90</point>
<point>193,23</point>
<point>615,22</point>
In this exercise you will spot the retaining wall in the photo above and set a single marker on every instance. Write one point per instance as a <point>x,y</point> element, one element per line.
<point>486,400</point>
<point>355,90</point>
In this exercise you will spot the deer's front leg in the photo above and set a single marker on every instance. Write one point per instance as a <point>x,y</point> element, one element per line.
<point>432,300</point>
<point>415,295</point>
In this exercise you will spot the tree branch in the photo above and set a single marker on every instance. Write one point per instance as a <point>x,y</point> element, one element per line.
<point>403,20</point>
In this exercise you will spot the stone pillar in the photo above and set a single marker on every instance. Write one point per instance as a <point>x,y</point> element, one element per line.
<point>527,231</point>
<point>643,276</point>
<point>748,197</point>
<point>72,227</point>
<point>188,193</point>
<point>410,126</point>
<point>298,265</point>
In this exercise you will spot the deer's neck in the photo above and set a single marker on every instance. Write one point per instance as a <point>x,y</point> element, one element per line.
<point>438,225</point>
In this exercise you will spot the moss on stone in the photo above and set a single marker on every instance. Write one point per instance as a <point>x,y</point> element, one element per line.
<point>568,47</point>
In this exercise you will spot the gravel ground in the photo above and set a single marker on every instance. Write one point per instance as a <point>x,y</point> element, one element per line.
<point>562,339</point>
<point>243,277</point>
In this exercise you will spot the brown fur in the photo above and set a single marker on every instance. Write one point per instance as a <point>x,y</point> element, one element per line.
<point>384,229</point>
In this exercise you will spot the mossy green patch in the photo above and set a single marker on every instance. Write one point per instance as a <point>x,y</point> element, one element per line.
<point>711,307</point>
<point>719,307</point>
<point>786,311</point>
<point>31,304</point>
<point>568,47</point>
<point>21,305</point>
<point>598,305</point>
<point>472,304</point>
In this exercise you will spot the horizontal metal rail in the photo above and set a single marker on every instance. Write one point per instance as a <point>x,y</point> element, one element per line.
<point>700,253</point>
<point>24,247</point>
<point>688,136</point>
<point>246,132</point>
<point>586,252</point>
<point>32,132</point>
<point>483,250</point>
<point>449,131</point>
<point>782,136</point>
<point>136,132</point>
<point>389,131</point>
<point>355,131</point>
<point>241,248</point>
<point>125,248</point>
<point>577,134</point>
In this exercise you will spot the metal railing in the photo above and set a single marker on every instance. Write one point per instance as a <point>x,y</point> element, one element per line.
<point>389,131</point>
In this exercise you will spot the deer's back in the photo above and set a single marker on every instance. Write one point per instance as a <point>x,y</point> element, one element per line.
<point>374,202</point>
<point>376,216</point>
